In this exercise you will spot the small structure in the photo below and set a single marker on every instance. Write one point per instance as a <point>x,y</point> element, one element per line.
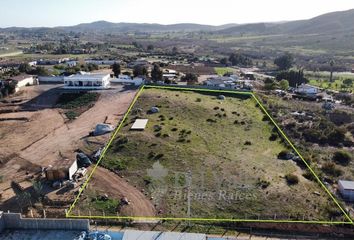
<point>102,128</point>
<point>307,89</point>
<point>346,189</point>
<point>62,169</point>
<point>21,81</point>
<point>139,124</point>
<point>85,80</point>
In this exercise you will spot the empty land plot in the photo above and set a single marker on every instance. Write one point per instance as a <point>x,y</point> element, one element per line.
<point>202,157</point>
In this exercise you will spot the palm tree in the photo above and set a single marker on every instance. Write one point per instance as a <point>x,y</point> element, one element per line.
<point>331,63</point>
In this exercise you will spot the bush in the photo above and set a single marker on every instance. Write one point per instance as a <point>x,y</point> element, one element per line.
<point>283,154</point>
<point>291,179</point>
<point>273,137</point>
<point>308,175</point>
<point>342,157</point>
<point>198,100</point>
<point>331,169</point>
<point>263,183</point>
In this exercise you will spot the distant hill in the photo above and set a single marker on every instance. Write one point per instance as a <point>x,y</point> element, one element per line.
<point>330,23</point>
<point>103,26</point>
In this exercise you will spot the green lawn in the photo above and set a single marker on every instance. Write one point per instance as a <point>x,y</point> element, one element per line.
<point>321,79</point>
<point>222,70</point>
<point>218,153</point>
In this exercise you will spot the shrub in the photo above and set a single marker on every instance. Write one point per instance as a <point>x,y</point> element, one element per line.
<point>308,175</point>
<point>283,154</point>
<point>159,156</point>
<point>342,157</point>
<point>291,179</point>
<point>263,183</point>
<point>147,180</point>
<point>248,143</point>
<point>265,118</point>
<point>331,169</point>
<point>198,100</point>
<point>273,137</point>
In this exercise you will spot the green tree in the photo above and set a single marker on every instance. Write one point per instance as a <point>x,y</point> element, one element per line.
<point>156,73</point>
<point>24,68</point>
<point>294,78</point>
<point>239,59</point>
<point>284,84</point>
<point>270,84</point>
<point>284,62</point>
<point>116,69</point>
<point>140,70</point>
<point>150,47</point>
<point>190,78</point>
<point>348,82</point>
<point>331,64</point>
<point>342,157</point>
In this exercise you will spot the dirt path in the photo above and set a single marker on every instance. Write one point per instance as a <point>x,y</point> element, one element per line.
<point>64,140</point>
<point>117,187</point>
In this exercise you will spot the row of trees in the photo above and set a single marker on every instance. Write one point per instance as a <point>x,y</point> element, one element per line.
<point>156,73</point>
<point>237,59</point>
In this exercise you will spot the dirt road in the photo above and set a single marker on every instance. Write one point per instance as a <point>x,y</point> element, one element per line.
<point>113,185</point>
<point>63,140</point>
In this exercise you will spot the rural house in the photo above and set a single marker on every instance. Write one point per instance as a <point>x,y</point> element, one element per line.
<point>21,81</point>
<point>346,189</point>
<point>87,81</point>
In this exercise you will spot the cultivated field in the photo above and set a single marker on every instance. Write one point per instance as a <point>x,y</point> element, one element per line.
<point>202,157</point>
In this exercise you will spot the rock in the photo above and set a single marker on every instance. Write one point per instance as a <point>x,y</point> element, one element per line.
<point>154,110</point>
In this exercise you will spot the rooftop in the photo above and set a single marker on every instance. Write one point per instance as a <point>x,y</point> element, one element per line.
<point>139,124</point>
<point>348,185</point>
<point>20,77</point>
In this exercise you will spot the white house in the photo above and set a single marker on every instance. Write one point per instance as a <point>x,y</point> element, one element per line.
<point>87,81</point>
<point>22,81</point>
<point>346,189</point>
<point>307,89</point>
<point>125,79</point>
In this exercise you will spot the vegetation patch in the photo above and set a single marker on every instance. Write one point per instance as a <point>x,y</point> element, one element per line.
<point>74,104</point>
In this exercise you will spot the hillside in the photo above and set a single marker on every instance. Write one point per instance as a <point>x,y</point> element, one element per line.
<point>330,23</point>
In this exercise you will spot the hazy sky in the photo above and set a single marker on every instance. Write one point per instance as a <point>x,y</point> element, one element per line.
<point>36,13</point>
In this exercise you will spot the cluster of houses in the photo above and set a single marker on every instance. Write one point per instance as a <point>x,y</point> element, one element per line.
<point>230,82</point>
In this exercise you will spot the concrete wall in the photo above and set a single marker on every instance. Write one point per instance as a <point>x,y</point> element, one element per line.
<point>15,221</point>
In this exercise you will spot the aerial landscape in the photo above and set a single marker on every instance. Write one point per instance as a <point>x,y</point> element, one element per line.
<point>155,127</point>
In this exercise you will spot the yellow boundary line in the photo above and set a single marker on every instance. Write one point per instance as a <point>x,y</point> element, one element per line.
<point>68,213</point>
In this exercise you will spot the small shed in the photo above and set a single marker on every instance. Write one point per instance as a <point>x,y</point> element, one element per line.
<point>139,124</point>
<point>346,189</point>
<point>62,169</point>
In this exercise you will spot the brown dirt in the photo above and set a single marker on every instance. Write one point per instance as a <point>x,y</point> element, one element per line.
<point>117,187</point>
<point>26,146</point>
